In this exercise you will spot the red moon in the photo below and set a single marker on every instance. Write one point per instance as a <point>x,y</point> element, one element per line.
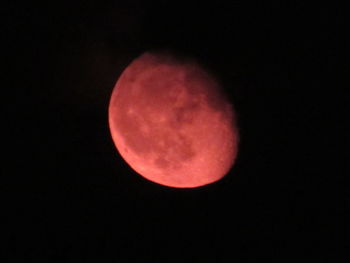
<point>171,123</point>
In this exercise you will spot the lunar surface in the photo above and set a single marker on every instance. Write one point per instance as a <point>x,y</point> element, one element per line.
<point>171,123</point>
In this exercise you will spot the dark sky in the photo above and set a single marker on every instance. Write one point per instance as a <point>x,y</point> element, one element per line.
<point>69,197</point>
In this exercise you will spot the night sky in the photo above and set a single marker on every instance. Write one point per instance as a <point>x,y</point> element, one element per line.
<point>70,197</point>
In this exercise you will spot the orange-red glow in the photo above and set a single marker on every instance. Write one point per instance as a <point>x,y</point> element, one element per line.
<point>171,124</point>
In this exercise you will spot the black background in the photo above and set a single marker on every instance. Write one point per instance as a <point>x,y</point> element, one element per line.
<point>71,198</point>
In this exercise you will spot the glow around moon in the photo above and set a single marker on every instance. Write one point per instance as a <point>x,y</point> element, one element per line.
<point>170,122</point>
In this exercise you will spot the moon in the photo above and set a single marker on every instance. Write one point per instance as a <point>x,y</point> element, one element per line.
<point>171,122</point>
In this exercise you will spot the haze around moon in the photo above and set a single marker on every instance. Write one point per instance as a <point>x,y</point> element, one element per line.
<point>171,122</point>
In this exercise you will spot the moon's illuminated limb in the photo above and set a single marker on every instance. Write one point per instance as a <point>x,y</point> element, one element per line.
<point>171,124</point>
